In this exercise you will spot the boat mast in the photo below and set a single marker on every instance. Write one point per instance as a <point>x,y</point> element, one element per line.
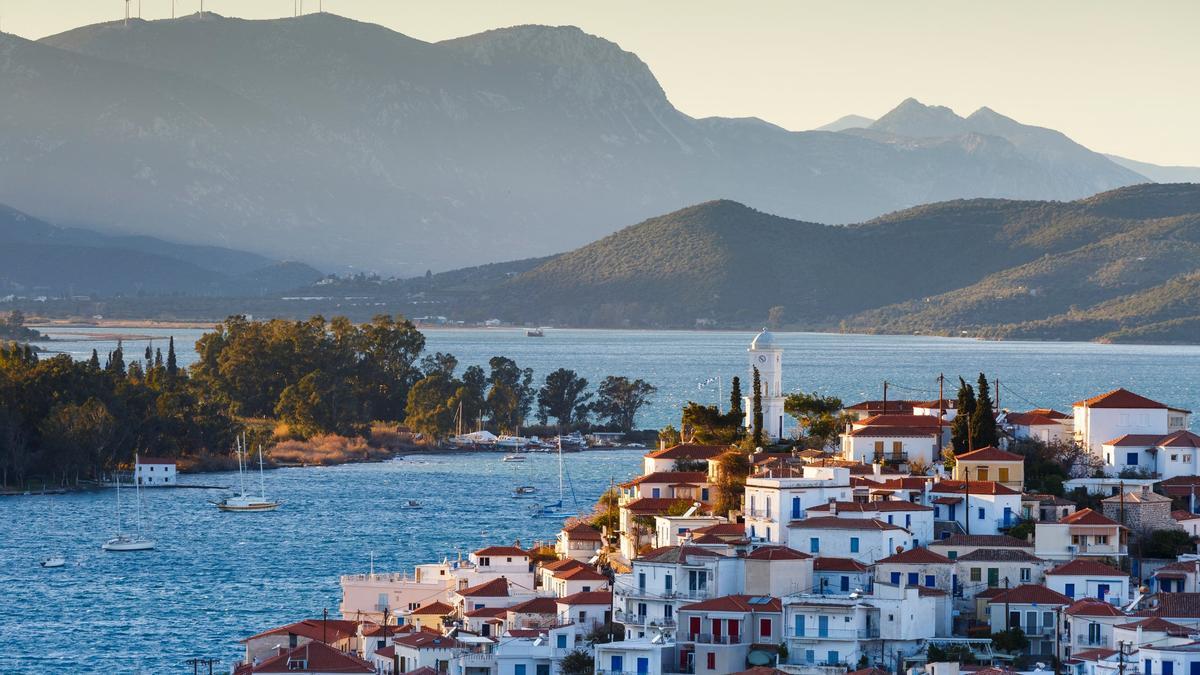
<point>118,500</point>
<point>560,471</point>
<point>137,494</point>
<point>241,443</point>
<point>262,482</point>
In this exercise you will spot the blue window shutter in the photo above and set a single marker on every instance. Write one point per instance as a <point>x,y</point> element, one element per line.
<point>896,578</point>
<point>854,544</point>
<point>1131,459</point>
<point>929,581</point>
<point>814,545</point>
<point>1070,591</point>
<point>913,578</point>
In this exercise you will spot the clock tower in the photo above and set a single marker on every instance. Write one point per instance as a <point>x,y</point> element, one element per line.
<point>767,357</point>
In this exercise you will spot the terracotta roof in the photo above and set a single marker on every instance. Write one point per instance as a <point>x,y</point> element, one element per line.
<point>580,574</point>
<point>989,454</point>
<point>876,406</point>
<point>524,632</point>
<point>562,564</point>
<point>689,451</point>
<point>1087,517</point>
<point>736,603</point>
<point>1093,654</point>
<point>975,487</point>
<point>314,629</point>
<point>890,420</point>
<point>1031,593</point>
<point>1051,413</point>
<point>990,592</point>
<point>1184,514</point>
<point>985,540</point>
<point>651,505</point>
<point>884,506</point>
<point>1119,398</point>
<point>1088,567</point>
<point>709,539</point>
<point>1157,624</point>
<point>999,555</point>
<point>489,612</point>
<point>1049,500</point>
<point>776,553</point>
<point>903,483</point>
<point>155,460</point>
<point>582,531</point>
<point>496,588</point>
<point>436,608</point>
<point>587,598</point>
<point>926,591</point>
<point>1180,439</point>
<point>834,523</point>
<point>1182,605</point>
<point>826,564</point>
<point>869,671</point>
<point>917,556</point>
<point>536,606</point>
<point>1135,440</point>
<point>424,640</point>
<point>894,431</point>
<point>948,500</point>
<point>320,658</point>
<point>1031,419</point>
<point>723,529</point>
<point>1093,607</point>
<point>678,477</point>
<point>502,551</point>
<point>1136,497</point>
<point>674,554</point>
<point>1180,565</point>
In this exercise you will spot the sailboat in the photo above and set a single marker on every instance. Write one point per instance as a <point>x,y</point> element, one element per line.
<point>554,510</point>
<point>129,542</point>
<point>246,501</point>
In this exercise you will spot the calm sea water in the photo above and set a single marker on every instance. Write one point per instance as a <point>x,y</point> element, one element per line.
<point>217,577</point>
<point>854,367</point>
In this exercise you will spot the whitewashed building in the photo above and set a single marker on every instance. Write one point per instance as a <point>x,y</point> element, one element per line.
<point>155,472</point>
<point>771,502</point>
<point>767,357</point>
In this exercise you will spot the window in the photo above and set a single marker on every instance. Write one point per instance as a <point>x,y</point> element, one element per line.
<point>542,669</point>
<point>814,545</point>
<point>641,581</point>
<point>896,578</point>
<point>1026,574</point>
<point>897,447</point>
<point>1131,458</point>
<point>413,606</point>
<point>795,507</point>
<point>519,669</point>
<point>981,473</point>
<point>878,448</point>
<point>711,660</point>
<point>952,555</point>
<point>799,625</point>
<point>764,628</point>
<point>913,578</point>
<point>1102,539</point>
<point>981,516</point>
<point>976,574</point>
<point>484,562</point>
<point>655,492</point>
<point>890,520</point>
<point>809,656</point>
<point>929,580</point>
<point>703,494</point>
<point>937,512</point>
<point>1069,591</point>
<point>1003,471</point>
<point>854,544</point>
<point>561,641</point>
<point>908,520</point>
<point>668,583</point>
<point>833,657</point>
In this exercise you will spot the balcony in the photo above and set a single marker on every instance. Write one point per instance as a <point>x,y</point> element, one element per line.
<point>891,458</point>
<point>758,513</point>
<point>673,594</point>
<point>632,619</point>
<point>710,639</point>
<point>836,634</point>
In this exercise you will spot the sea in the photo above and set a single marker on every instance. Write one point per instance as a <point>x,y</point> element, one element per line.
<point>217,577</point>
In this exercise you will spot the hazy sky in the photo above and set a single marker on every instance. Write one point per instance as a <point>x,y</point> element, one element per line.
<point>1119,77</point>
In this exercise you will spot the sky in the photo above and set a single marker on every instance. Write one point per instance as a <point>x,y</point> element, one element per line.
<point>1119,77</point>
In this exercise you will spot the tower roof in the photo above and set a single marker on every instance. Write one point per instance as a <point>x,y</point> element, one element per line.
<point>764,340</point>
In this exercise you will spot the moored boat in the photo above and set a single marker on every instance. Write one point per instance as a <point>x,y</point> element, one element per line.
<point>53,561</point>
<point>246,502</point>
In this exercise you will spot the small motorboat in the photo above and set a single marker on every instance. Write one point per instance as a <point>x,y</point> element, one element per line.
<point>535,332</point>
<point>53,561</point>
<point>524,491</point>
<point>410,504</point>
<point>513,458</point>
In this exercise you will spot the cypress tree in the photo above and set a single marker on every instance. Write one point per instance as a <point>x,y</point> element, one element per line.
<point>158,362</point>
<point>735,397</point>
<point>172,365</point>
<point>116,360</point>
<point>757,432</point>
<point>983,419</point>
<point>149,355</point>
<point>960,427</point>
<point>94,362</point>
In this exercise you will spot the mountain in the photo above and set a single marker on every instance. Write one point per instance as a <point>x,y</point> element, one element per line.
<point>1119,265</point>
<point>37,257</point>
<point>1160,174</point>
<point>847,122</point>
<point>345,144</point>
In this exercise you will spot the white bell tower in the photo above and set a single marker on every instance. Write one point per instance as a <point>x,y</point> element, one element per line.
<point>767,357</point>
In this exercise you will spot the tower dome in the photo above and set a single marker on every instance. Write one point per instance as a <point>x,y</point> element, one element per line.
<point>764,340</point>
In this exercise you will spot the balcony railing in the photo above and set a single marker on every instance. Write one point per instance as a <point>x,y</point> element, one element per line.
<point>673,594</point>
<point>836,634</point>
<point>710,639</point>
<point>758,513</point>
<point>891,458</point>
<point>633,619</point>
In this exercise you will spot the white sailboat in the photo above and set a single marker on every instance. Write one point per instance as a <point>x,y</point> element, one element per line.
<point>245,501</point>
<point>129,542</point>
<point>554,510</point>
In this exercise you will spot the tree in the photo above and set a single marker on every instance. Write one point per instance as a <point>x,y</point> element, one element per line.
<point>735,398</point>
<point>320,403</point>
<point>669,436</point>
<point>80,436</point>
<point>983,418</point>
<point>172,362</point>
<point>756,428</point>
<point>918,466</point>
<point>733,466</point>
<point>1012,640</point>
<point>960,427</point>
<point>619,399</point>
<point>706,424</point>
<point>512,393</point>
<point>1166,544</point>
<point>433,405</point>
<point>116,361</point>
<point>817,415</point>
<point>577,662</point>
<point>562,397</point>
<point>94,362</point>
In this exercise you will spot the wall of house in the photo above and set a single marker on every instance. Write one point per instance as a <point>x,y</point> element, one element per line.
<point>1094,426</point>
<point>862,448</point>
<point>866,546</point>
<point>778,577</point>
<point>1089,587</point>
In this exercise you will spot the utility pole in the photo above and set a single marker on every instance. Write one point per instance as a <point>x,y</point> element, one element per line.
<point>967,497</point>
<point>1007,616</point>
<point>885,386</point>
<point>997,394</point>
<point>1121,662</point>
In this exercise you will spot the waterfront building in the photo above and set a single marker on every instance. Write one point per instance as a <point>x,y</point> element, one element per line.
<point>688,486</point>
<point>312,658</point>
<point>499,592</point>
<point>368,596</point>
<point>155,472</point>
<point>683,454</point>
<point>1085,533</point>
<point>1121,412</point>
<point>339,633</point>
<point>767,356</point>
<point>418,649</point>
<point>1172,455</point>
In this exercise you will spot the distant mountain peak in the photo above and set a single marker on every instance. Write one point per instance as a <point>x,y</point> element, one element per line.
<point>917,120</point>
<point>847,122</point>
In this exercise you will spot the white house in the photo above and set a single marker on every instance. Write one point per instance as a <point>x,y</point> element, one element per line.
<point>669,459</point>
<point>666,578</point>
<point>979,507</point>
<point>649,655</point>
<point>864,539</point>
<point>917,567</point>
<point>894,439</point>
<point>767,357</point>
<point>311,658</point>
<point>916,518</point>
<point>1082,578</point>
<point>1177,659</point>
<point>778,571</point>
<point>1088,624</point>
<point>415,650</point>
<point>984,568</point>
<point>154,472</point>
<point>1085,533</point>
<point>840,576</point>
<point>1032,609</point>
<point>579,542</point>
<point>1043,424</point>
<point>1121,412</point>
<point>1173,455</point>
<point>959,545</point>
<point>586,610</point>
<point>770,503</point>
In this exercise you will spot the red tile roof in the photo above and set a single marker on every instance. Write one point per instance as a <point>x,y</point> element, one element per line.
<point>990,454</point>
<point>536,606</point>
<point>502,551</point>
<point>489,612</point>
<point>883,506</point>
<point>1031,419</point>
<point>674,554</point>
<point>881,431</point>
<point>1093,607</point>
<point>709,539</point>
<point>1087,517</point>
<point>723,529</point>
<point>319,657</point>
<point>827,564</point>
<point>1119,398</point>
<point>689,451</point>
<point>582,531</point>
<point>423,640</point>
<point>1093,654</point>
<point>371,630</point>
<point>916,556</point>
<point>975,487</point>
<point>914,421</point>
<point>587,598</point>
<point>496,588</point>
<point>1181,605</point>
<point>999,555</point>
<point>1088,567</point>
<point>736,603</point>
<point>436,608</point>
<point>1156,624</point>
<point>1051,413</point>
<point>651,505</point>
<point>1134,440</point>
<point>155,460</point>
<point>1180,439</point>
<point>562,564</point>
<point>1184,514</point>
<point>897,406</point>
<point>1031,593</point>
<point>983,540</point>
<point>669,477</point>
<point>314,629</point>
<point>776,553</point>
<point>580,574</point>
<point>834,523</point>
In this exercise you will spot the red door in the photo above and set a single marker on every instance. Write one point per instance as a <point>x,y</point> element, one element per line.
<point>694,627</point>
<point>716,624</point>
<point>733,631</point>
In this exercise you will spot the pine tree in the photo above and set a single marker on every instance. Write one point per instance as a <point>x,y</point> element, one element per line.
<point>735,397</point>
<point>94,362</point>
<point>149,355</point>
<point>960,428</point>
<point>158,362</point>
<point>757,431</point>
<point>983,418</point>
<point>116,360</point>
<point>172,365</point>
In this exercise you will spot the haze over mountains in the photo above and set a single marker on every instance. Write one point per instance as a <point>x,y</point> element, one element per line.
<point>344,144</point>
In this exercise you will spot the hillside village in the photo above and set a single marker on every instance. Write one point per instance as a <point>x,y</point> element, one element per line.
<point>878,554</point>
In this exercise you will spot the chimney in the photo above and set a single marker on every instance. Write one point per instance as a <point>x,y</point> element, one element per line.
<point>1145,491</point>
<point>877,469</point>
<point>1139,637</point>
<point>833,506</point>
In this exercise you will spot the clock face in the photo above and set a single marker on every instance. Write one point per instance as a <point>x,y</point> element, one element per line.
<point>762,358</point>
